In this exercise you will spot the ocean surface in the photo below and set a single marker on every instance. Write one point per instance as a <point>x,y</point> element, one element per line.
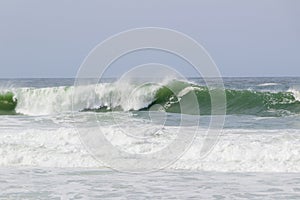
<point>42,155</point>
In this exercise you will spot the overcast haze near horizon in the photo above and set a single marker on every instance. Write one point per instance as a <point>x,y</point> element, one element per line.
<point>245,38</point>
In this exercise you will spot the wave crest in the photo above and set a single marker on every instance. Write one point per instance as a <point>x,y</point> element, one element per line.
<point>117,96</point>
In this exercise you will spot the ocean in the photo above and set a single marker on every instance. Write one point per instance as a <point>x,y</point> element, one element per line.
<point>44,129</point>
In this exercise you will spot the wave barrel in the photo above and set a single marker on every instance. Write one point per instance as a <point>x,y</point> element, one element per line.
<point>7,103</point>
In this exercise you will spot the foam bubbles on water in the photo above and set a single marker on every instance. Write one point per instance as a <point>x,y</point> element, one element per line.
<point>237,151</point>
<point>296,93</point>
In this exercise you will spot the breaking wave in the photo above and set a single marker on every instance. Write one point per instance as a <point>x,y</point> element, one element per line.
<point>116,96</point>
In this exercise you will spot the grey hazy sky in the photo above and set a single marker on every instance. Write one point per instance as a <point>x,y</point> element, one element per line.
<point>245,38</point>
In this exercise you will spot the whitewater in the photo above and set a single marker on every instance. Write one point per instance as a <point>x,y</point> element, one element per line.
<point>257,155</point>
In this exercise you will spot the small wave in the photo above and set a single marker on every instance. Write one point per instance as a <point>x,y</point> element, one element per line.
<point>267,84</point>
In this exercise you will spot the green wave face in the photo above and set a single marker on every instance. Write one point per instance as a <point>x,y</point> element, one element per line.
<point>261,103</point>
<point>174,97</point>
<point>243,102</point>
<point>7,103</point>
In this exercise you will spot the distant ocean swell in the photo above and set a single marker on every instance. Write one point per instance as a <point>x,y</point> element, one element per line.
<point>115,97</point>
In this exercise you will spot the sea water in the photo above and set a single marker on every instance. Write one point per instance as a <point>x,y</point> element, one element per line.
<point>42,156</point>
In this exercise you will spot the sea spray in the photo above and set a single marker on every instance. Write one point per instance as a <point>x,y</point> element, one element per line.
<point>105,97</point>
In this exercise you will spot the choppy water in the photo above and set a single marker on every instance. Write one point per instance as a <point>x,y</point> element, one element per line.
<point>41,154</point>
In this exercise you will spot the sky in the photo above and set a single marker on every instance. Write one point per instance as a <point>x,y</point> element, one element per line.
<point>44,39</point>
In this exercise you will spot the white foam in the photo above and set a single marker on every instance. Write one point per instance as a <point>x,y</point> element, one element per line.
<point>44,148</point>
<point>43,101</point>
<point>295,92</point>
<point>187,90</point>
<point>267,84</point>
<point>248,151</point>
<point>237,150</point>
